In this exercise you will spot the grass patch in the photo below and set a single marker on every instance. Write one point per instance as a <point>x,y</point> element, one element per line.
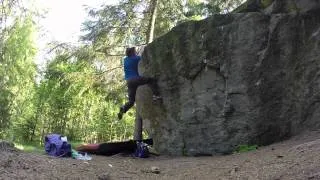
<point>75,144</point>
<point>30,148</point>
<point>246,148</point>
<point>39,149</point>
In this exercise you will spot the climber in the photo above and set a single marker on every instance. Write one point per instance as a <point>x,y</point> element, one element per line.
<point>134,80</point>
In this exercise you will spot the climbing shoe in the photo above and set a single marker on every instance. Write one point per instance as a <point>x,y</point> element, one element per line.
<point>120,114</point>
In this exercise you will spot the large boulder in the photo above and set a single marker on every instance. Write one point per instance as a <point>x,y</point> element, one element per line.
<point>239,78</point>
<point>278,6</point>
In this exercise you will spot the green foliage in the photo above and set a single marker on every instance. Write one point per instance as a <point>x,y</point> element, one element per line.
<point>19,53</point>
<point>246,148</point>
<point>17,81</point>
<point>78,101</point>
<point>30,148</point>
<point>266,3</point>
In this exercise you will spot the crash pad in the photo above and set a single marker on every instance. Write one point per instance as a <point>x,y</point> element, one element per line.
<point>112,148</point>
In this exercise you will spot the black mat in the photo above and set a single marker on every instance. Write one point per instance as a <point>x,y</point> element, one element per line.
<point>112,148</point>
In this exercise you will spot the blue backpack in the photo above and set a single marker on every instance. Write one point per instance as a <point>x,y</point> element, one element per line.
<point>54,146</point>
<point>142,150</point>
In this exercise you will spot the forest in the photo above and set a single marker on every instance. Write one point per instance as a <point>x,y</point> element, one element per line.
<point>79,92</point>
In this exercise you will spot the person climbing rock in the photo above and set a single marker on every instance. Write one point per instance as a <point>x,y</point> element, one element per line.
<point>134,80</point>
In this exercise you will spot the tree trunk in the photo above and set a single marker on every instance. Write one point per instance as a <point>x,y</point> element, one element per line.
<point>153,10</point>
<point>150,33</point>
<point>138,128</point>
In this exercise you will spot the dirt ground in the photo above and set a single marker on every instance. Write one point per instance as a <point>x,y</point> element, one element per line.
<point>297,158</point>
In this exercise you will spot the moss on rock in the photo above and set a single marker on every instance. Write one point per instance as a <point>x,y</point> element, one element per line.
<point>266,3</point>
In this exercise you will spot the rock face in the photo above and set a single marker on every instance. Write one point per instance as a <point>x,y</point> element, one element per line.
<point>239,78</point>
<point>278,6</point>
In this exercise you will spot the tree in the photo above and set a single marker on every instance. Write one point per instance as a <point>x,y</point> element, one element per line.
<point>17,70</point>
<point>132,22</point>
<point>19,57</point>
<point>153,8</point>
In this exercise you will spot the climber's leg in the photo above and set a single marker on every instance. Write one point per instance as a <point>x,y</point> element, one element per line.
<point>152,83</point>
<point>133,84</point>
<point>132,89</point>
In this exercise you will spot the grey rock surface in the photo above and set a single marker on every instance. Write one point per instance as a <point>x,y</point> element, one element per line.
<point>240,78</point>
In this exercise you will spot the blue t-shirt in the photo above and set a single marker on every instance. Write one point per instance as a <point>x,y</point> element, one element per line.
<point>131,67</point>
